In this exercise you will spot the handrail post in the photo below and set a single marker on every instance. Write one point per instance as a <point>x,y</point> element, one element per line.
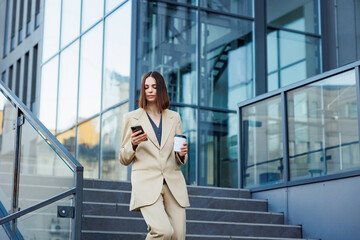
<point>76,227</point>
<point>17,154</point>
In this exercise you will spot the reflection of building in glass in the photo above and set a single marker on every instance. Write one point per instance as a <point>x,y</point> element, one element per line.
<point>322,128</point>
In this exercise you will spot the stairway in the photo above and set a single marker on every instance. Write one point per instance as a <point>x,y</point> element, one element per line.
<point>215,213</point>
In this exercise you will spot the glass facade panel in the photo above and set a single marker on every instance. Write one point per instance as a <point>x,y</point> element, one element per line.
<point>241,7</point>
<point>43,173</point>
<point>70,26</point>
<point>300,15</point>
<point>8,116</point>
<point>51,29</point>
<point>90,73</point>
<point>226,61</point>
<point>112,124</point>
<point>92,11</point>
<point>48,94</point>
<point>68,87</point>
<point>218,164</point>
<point>88,152</point>
<point>294,57</point>
<point>117,56</point>
<point>323,127</point>
<point>263,143</point>
<point>67,139</point>
<point>189,124</point>
<point>167,44</point>
<point>111,4</point>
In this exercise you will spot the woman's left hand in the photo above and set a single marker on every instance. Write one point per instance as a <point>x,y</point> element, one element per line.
<point>184,149</point>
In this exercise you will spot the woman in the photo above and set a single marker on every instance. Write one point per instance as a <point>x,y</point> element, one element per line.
<point>158,186</point>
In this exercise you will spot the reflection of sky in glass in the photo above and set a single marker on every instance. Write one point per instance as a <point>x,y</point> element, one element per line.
<point>70,27</point>
<point>92,11</point>
<point>117,56</point>
<point>292,48</point>
<point>344,79</point>
<point>111,4</point>
<point>68,83</point>
<point>240,70</point>
<point>48,94</point>
<point>298,15</point>
<point>272,52</point>
<point>293,74</point>
<point>111,143</point>
<point>51,28</point>
<point>236,82</point>
<point>295,59</point>
<point>90,73</point>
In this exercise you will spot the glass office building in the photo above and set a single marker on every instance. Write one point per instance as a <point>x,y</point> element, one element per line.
<point>212,54</point>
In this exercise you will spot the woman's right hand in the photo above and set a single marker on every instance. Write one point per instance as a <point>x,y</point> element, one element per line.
<point>137,138</point>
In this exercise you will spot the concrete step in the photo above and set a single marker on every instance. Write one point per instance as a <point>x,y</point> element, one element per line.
<point>192,190</point>
<point>215,213</point>
<point>104,235</point>
<point>219,192</point>
<point>125,224</point>
<point>120,196</point>
<point>105,184</point>
<point>202,214</point>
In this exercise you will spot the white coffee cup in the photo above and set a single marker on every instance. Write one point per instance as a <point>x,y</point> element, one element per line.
<point>179,142</point>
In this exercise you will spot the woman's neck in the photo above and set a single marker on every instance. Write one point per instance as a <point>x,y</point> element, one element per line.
<point>152,109</point>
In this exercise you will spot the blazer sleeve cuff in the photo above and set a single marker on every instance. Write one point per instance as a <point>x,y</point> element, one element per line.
<point>128,154</point>
<point>181,161</point>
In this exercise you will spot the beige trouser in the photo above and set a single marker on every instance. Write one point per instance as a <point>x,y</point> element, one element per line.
<point>166,219</point>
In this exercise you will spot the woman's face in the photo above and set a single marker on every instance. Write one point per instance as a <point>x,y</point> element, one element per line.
<point>150,89</point>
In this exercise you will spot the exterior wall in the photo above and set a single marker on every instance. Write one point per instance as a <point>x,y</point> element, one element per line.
<point>20,49</point>
<point>328,210</point>
<point>340,39</point>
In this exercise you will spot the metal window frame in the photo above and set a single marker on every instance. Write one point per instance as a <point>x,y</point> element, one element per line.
<point>283,93</point>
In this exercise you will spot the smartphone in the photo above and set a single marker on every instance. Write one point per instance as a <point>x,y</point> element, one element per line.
<point>137,128</point>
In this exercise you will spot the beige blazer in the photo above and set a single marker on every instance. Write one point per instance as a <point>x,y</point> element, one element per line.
<point>152,163</point>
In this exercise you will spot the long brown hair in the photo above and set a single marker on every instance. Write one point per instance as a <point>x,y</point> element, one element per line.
<point>162,97</point>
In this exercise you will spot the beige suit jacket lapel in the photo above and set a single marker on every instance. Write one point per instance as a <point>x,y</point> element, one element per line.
<point>167,125</point>
<point>145,123</point>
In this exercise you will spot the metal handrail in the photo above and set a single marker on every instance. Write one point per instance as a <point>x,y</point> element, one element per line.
<point>68,159</point>
<point>46,134</point>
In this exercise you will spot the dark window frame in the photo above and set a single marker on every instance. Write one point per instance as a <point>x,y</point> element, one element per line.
<point>34,77</point>
<point>26,78</point>
<point>21,21</point>
<point>13,25</point>
<point>28,17</point>
<point>6,32</point>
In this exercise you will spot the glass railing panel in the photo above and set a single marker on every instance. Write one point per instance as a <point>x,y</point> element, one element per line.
<point>263,142</point>
<point>7,138</point>
<point>43,173</point>
<point>323,127</point>
<point>44,223</point>
<point>3,235</point>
